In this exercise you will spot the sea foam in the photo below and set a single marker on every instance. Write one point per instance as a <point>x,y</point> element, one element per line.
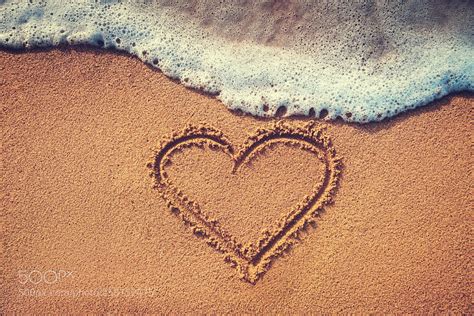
<point>359,60</point>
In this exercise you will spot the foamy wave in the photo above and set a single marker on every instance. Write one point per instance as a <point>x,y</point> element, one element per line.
<point>360,60</point>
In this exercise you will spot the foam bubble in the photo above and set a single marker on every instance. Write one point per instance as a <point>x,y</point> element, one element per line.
<point>358,60</point>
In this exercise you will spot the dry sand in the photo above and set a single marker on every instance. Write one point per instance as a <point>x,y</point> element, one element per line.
<point>78,129</point>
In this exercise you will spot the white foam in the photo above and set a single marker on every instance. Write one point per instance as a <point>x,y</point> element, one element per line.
<point>360,60</point>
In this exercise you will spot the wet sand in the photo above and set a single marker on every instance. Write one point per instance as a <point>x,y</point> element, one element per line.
<point>84,228</point>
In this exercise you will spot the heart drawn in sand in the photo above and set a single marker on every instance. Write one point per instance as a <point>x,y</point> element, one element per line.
<point>252,259</point>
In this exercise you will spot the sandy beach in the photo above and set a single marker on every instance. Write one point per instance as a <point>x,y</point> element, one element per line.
<point>84,227</point>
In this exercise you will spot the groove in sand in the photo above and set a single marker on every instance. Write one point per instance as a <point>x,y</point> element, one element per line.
<point>253,259</point>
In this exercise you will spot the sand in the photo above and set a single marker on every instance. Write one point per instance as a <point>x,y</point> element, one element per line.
<point>86,228</point>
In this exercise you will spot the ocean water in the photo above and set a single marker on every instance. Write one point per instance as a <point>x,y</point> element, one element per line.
<point>362,61</point>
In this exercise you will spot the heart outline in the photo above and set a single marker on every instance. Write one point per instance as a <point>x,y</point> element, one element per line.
<point>253,259</point>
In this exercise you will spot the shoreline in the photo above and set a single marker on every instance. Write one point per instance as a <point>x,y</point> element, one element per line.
<point>84,48</point>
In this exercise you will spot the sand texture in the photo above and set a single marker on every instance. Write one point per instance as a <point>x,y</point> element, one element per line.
<point>124,191</point>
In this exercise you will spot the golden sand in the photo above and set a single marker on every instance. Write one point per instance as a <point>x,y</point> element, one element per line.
<point>85,227</point>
